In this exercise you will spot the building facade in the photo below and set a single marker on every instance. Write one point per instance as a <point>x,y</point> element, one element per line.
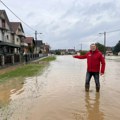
<point>11,36</point>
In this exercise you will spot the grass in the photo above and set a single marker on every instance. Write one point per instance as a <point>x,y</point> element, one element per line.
<point>27,70</point>
<point>48,59</point>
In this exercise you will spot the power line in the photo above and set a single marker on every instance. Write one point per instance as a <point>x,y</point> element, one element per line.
<point>96,38</point>
<point>16,15</point>
<point>113,31</point>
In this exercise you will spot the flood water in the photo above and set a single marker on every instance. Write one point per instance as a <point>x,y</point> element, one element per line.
<point>58,94</point>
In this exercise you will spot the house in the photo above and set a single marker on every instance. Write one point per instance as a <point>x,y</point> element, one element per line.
<point>63,51</point>
<point>109,51</point>
<point>71,51</point>
<point>11,37</point>
<point>118,53</point>
<point>31,44</point>
<point>17,35</point>
<point>39,46</point>
<point>7,45</point>
<point>46,48</point>
<point>13,42</point>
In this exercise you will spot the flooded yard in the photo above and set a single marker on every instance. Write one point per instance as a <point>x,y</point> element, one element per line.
<point>58,94</point>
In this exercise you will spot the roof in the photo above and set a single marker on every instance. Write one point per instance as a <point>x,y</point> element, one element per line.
<point>1,11</point>
<point>71,49</point>
<point>39,43</point>
<point>29,40</point>
<point>14,26</point>
<point>4,12</point>
<point>109,48</point>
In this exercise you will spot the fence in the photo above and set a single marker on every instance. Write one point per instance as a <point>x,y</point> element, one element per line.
<point>11,59</point>
<point>7,59</point>
<point>16,58</point>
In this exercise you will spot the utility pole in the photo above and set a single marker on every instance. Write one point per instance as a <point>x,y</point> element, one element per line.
<point>74,47</point>
<point>104,43</point>
<point>81,47</point>
<point>36,40</point>
<point>36,33</point>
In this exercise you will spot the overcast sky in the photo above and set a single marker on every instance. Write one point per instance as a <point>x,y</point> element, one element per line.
<point>68,23</point>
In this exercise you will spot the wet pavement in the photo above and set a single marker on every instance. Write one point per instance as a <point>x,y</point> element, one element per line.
<point>58,94</point>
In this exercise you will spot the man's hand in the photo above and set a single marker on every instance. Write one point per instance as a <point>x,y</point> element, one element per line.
<point>78,53</point>
<point>101,74</point>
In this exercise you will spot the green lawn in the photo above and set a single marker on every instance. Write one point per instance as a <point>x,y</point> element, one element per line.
<point>27,70</point>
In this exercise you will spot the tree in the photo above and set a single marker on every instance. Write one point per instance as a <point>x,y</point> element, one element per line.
<point>101,47</point>
<point>117,48</point>
<point>83,52</point>
<point>57,52</point>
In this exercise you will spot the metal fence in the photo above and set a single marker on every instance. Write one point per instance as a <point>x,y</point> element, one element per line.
<point>7,59</point>
<point>16,58</point>
<point>11,59</point>
<point>31,57</point>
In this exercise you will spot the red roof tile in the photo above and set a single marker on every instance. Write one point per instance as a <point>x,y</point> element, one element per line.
<point>29,40</point>
<point>15,25</point>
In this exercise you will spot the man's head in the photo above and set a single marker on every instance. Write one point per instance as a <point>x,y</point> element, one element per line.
<point>93,47</point>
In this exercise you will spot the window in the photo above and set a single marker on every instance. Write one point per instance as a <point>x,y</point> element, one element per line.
<point>3,23</point>
<point>7,37</point>
<point>17,39</point>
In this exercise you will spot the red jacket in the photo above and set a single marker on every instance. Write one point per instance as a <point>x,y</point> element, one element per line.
<point>94,61</point>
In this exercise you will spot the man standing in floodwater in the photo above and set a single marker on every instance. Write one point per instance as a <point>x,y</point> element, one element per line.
<point>95,66</point>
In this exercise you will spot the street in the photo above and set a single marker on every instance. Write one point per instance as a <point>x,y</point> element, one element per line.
<point>58,93</point>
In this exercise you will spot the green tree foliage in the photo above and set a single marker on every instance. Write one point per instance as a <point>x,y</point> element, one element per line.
<point>83,52</point>
<point>117,48</point>
<point>101,47</point>
<point>57,52</point>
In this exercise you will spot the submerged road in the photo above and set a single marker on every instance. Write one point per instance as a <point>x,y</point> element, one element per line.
<point>58,94</point>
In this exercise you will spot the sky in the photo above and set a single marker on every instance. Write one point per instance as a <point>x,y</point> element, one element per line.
<point>66,24</point>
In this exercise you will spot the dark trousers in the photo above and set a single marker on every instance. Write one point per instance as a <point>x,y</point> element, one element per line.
<point>88,78</point>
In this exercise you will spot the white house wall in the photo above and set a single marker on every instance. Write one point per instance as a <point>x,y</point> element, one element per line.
<point>20,32</point>
<point>6,23</point>
<point>6,32</point>
<point>0,22</point>
<point>7,37</point>
<point>17,40</point>
<point>1,36</point>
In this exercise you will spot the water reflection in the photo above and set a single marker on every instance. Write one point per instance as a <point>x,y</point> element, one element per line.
<point>92,106</point>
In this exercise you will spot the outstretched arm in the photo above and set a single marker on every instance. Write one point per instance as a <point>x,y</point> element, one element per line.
<point>80,56</point>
